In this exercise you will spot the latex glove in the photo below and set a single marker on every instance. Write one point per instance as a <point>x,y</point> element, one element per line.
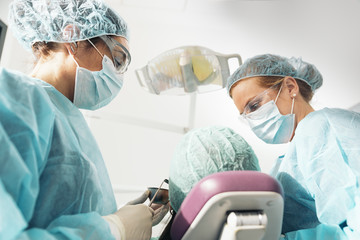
<point>128,217</point>
<point>159,212</point>
<point>134,222</point>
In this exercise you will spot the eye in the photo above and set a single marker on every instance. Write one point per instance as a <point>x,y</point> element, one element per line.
<point>253,106</point>
<point>120,58</point>
<point>119,62</point>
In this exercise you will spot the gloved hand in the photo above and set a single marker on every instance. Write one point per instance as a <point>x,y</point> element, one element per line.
<point>140,199</point>
<point>160,210</point>
<point>134,220</point>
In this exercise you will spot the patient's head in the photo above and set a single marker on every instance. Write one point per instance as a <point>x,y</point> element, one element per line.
<point>205,151</point>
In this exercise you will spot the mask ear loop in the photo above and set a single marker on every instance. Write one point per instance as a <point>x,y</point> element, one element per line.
<point>293,100</point>
<point>72,56</point>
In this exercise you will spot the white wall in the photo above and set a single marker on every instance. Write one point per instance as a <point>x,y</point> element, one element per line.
<point>323,32</point>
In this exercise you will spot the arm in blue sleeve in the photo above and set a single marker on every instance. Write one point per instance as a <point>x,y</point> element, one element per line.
<point>11,219</point>
<point>327,175</point>
<point>17,206</point>
<point>74,227</point>
<point>323,161</point>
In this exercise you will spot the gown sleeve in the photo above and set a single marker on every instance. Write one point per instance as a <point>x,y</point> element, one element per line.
<point>16,204</point>
<point>323,162</point>
<point>26,124</point>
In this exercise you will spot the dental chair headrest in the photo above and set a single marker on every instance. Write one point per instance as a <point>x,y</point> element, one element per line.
<point>214,184</point>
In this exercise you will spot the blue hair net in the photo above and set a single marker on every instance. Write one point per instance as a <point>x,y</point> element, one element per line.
<point>205,151</point>
<point>44,20</point>
<point>274,65</point>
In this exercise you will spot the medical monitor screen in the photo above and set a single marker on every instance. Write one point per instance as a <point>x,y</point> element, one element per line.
<point>3,29</point>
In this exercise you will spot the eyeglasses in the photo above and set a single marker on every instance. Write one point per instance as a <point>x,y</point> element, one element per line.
<point>260,100</point>
<point>119,53</point>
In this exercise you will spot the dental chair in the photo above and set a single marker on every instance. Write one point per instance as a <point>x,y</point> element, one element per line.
<point>231,205</point>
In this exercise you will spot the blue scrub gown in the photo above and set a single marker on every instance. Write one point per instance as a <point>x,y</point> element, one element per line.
<point>53,181</point>
<point>324,158</point>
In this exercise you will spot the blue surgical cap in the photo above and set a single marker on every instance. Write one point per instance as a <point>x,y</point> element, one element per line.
<point>45,20</point>
<point>205,151</point>
<point>274,65</point>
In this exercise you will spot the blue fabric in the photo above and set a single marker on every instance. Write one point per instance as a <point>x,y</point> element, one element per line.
<point>322,231</point>
<point>274,65</point>
<point>299,206</point>
<point>43,20</point>
<point>53,180</point>
<point>324,158</point>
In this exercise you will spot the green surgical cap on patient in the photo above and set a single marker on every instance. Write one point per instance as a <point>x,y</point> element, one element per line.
<point>45,21</point>
<point>274,65</point>
<point>205,151</point>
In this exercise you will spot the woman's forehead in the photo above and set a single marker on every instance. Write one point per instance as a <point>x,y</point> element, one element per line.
<point>246,90</point>
<point>246,85</point>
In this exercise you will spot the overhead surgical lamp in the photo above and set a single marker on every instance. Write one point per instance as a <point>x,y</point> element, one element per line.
<point>186,70</point>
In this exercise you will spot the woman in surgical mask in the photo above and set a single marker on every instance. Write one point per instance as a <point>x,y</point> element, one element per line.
<point>53,180</point>
<point>273,94</point>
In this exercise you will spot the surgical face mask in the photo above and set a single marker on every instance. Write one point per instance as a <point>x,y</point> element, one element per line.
<point>267,122</point>
<point>95,89</point>
<point>185,70</point>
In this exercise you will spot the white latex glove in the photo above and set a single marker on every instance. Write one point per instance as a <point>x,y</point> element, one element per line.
<point>159,210</point>
<point>160,213</point>
<point>134,220</point>
<point>137,221</point>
